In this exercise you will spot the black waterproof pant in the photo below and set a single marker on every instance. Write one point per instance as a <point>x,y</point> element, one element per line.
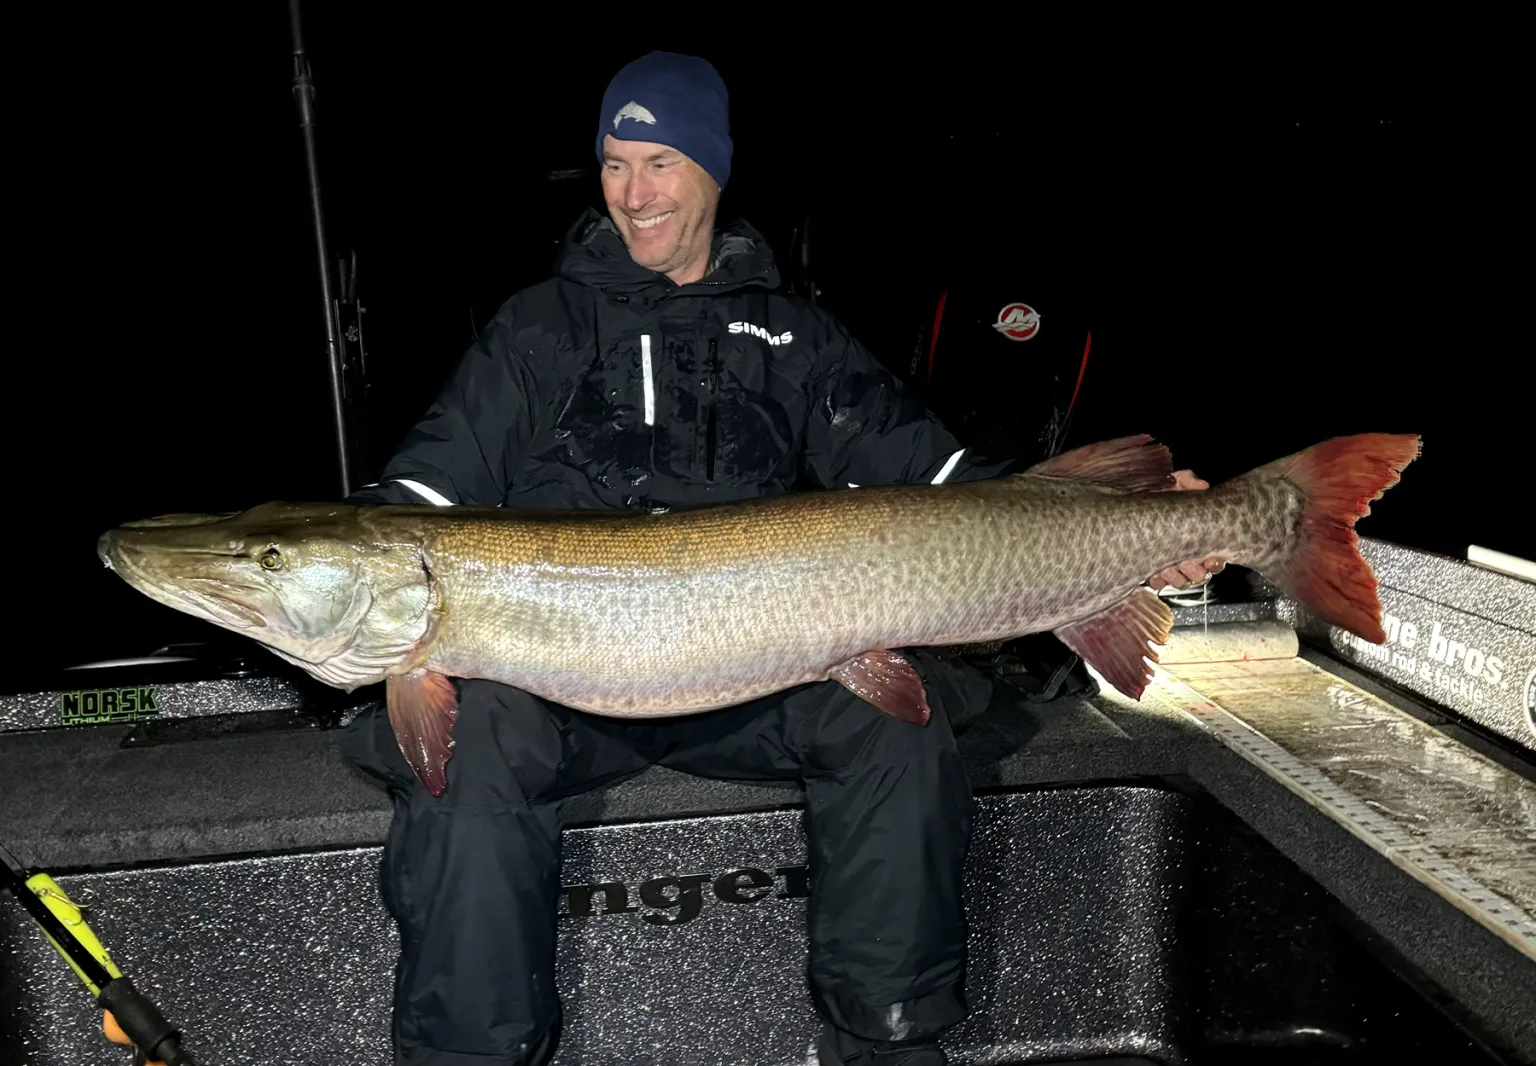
<point>473,877</point>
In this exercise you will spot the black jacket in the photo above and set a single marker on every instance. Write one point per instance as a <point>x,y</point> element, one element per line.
<point>609,386</point>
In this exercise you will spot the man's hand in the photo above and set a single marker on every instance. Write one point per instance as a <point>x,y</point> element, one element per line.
<point>1192,571</point>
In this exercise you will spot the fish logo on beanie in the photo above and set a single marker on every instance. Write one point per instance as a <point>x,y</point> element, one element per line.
<point>634,111</point>
<point>676,100</point>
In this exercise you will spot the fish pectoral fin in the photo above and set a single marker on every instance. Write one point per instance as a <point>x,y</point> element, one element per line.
<point>1133,463</point>
<point>422,709</point>
<point>1115,641</point>
<point>886,680</point>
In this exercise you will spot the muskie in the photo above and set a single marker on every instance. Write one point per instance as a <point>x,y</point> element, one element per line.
<point>637,615</point>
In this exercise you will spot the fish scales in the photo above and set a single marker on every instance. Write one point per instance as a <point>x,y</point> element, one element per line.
<point>697,610</point>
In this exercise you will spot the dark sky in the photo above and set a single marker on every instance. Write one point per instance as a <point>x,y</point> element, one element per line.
<point>1271,249</point>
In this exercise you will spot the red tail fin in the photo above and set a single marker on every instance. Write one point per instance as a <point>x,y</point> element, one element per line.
<point>1339,479</point>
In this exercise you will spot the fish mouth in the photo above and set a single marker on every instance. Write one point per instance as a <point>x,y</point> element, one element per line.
<point>213,599</point>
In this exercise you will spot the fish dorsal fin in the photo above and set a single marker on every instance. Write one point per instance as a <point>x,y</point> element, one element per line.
<point>1132,463</point>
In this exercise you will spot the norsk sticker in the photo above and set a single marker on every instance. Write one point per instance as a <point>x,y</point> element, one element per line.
<point>105,706</point>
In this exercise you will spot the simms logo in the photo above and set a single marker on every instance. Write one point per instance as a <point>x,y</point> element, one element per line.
<point>679,900</point>
<point>759,331</point>
<point>633,111</point>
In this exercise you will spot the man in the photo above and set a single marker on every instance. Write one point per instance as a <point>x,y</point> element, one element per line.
<point>659,369</point>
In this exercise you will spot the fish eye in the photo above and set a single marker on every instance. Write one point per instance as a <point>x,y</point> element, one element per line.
<point>271,559</point>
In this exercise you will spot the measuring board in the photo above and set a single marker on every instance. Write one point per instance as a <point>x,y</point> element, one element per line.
<point>1494,911</point>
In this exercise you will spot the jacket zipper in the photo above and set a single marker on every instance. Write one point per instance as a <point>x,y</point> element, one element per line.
<point>709,425</point>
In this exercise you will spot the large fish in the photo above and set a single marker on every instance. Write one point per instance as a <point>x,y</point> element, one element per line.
<point>637,615</point>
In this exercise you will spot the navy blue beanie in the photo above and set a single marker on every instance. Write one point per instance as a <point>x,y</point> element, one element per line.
<point>676,100</point>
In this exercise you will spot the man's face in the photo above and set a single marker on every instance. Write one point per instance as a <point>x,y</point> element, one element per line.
<point>664,205</point>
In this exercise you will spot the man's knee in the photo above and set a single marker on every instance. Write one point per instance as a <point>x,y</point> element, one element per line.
<point>368,742</point>
<point>507,747</point>
<point>841,730</point>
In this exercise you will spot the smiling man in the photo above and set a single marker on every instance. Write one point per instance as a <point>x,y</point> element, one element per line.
<point>666,161</point>
<point>664,205</point>
<point>661,368</point>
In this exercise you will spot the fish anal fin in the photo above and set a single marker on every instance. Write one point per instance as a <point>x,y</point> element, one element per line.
<point>423,707</point>
<point>1134,463</point>
<point>886,680</point>
<point>1115,641</point>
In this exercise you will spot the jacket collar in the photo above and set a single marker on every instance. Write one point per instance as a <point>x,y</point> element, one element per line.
<point>593,254</point>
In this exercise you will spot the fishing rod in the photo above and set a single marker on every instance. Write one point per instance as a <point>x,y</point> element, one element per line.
<point>64,926</point>
<point>304,95</point>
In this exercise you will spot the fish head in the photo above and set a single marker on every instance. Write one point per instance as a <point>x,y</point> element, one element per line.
<point>316,584</point>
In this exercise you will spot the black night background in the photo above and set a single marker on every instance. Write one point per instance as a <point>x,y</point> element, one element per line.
<point>1270,251</point>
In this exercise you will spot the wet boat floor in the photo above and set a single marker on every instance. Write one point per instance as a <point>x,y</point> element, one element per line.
<point>1450,816</point>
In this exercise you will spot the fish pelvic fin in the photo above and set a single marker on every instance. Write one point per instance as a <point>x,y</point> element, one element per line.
<point>888,681</point>
<point>1135,464</point>
<point>1338,480</point>
<point>1116,641</point>
<point>423,707</point>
